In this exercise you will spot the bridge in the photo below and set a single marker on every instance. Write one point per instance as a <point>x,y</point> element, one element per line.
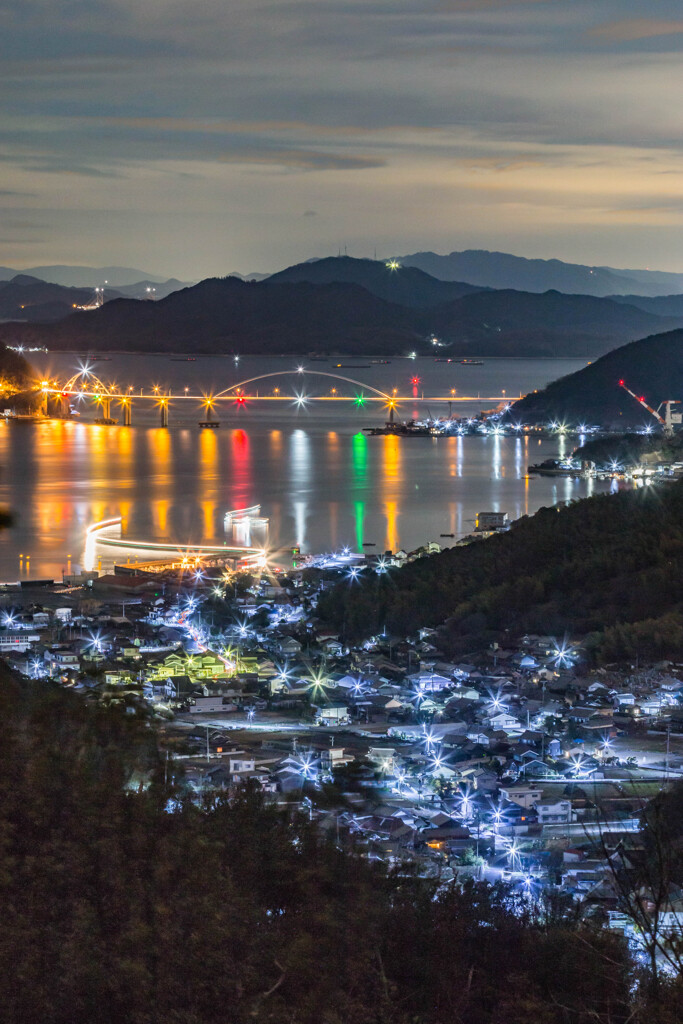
<point>84,386</point>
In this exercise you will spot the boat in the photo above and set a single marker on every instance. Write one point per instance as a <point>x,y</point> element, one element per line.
<point>352,366</point>
<point>369,544</point>
<point>209,424</point>
<point>381,362</point>
<point>551,467</point>
<point>183,359</point>
<point>471,362</point>
<point>105,421</point>
<point>409,429</point>
<point>446,535</point>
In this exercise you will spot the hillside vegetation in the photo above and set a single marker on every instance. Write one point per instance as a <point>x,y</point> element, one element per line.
<point>15,371</point>
<point>652,367</point>
<point>609,566</point>
<point>123,900</point>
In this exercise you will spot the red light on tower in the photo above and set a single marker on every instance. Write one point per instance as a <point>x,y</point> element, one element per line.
<point>621,383</point>
<point>642,398</point>
<point>415,380</point>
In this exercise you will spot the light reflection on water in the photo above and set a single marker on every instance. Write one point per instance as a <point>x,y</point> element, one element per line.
<point>319,488</point>
<point>321,481</point>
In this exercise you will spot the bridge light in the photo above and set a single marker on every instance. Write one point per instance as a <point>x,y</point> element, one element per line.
<point>621,383</point>
<point>359,400</point>
<point>300,369</point>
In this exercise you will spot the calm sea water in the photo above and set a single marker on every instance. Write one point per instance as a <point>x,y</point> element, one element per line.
<point>321,482</point>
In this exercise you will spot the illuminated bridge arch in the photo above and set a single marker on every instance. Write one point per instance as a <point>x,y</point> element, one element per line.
<point>87,383</point>
<point>301,373</point>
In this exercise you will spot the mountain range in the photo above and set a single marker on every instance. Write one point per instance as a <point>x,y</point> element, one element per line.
<point>502,270</point>
<point>476,267</point>
<point>83,277</point>
<point>407,286</point>
<point>343,305</point>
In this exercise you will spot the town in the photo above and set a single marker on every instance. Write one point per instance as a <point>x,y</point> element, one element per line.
<point>522,764</point>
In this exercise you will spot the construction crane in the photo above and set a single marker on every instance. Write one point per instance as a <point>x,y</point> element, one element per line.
<point>669,418</point>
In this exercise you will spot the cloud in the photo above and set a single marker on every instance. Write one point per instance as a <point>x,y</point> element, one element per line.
<point>630,30</point>
<point>303,160</point>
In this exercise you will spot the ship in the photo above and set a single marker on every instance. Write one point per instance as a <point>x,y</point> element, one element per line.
<point>409,429</point>
<point>471,362</point>
<point>551,467</point>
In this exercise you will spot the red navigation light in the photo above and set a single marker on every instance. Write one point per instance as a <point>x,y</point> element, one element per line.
<point>621,383</point>
<point>241,400</point>
<point>642,398</point>
<point>414,380</point>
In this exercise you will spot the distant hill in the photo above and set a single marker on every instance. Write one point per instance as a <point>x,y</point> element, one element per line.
<point>255,276</point>
<point>83,277</point>
<point>652,367</point>
<point>27,298</point>
<point>227,314</point>
<point>511,322</point>
<point>406,286</point>
<point>150,289</point>
<point>661,305</point>
<point>502,270</point>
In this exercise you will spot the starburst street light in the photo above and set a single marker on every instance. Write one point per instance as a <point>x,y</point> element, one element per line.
<point>300,400</point>
<point>392,265</point>
<point>429,738</point>
<point>318,682</point>
<point>563,655</point>
<point>496,702</point>
<point>283,673</point>
<point>305,766</point>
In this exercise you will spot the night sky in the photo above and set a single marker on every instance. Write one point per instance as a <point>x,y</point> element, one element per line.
<point>197,137</point>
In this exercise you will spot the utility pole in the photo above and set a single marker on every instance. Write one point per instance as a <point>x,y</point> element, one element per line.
<point>668,739</point>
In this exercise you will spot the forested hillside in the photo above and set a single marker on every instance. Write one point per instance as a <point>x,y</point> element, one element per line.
<point>610,565</point>
<point>123,901</point>
<point>651,367</point>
